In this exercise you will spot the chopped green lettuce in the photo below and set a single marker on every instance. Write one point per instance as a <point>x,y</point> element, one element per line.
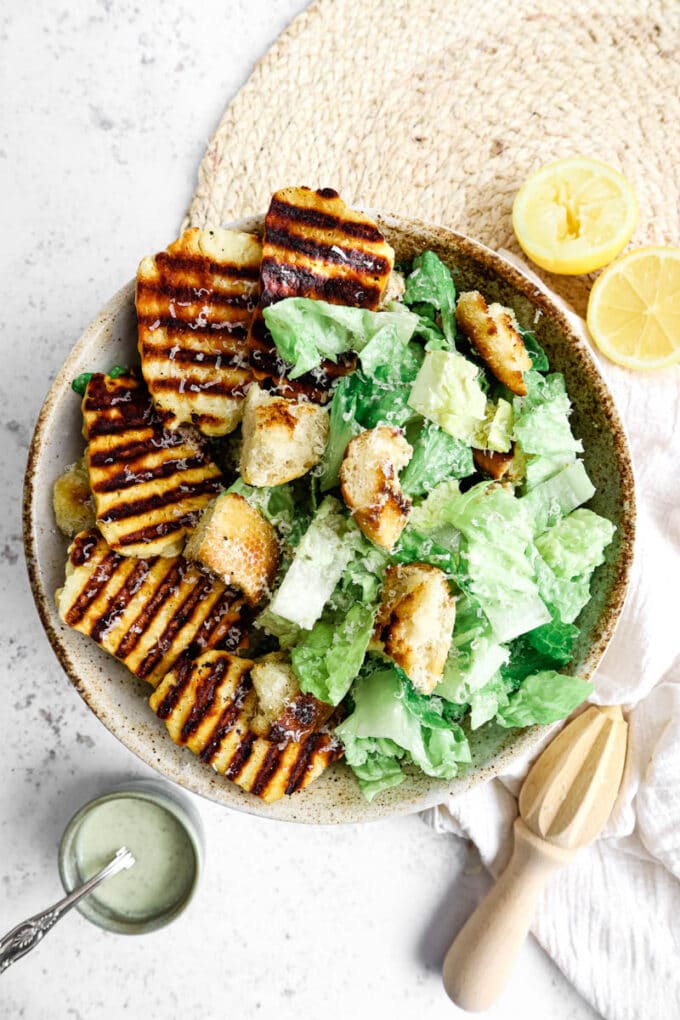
<point>415,547</point>
<point>343,427</point>
<point>430,284</point>
<point>576,544</point>
<point>539,468</point>
<point>488,700</point>
<point>543,697</point>
<point>557,496</point>
<point>306,331</point>
<point>382,726</point>
<point>471,667</point>
<point>320,559</point>
<point>447,391</point>
<point>287,633</point>
<point>328,658</point>
<point>436,456</point>
<point>568,553</point>
<point>555,640</point>
<point>495,431</point>
<point>542,417</point>
<point>495,557</point>
<point>539,359</point>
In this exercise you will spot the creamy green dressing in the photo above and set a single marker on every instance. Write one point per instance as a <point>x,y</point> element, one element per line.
<point>165,867</point>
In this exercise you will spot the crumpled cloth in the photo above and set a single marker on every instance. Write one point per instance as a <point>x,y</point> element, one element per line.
<point>611,919</point>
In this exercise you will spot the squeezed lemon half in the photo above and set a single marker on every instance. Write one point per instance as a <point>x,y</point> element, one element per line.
<point>634,309</point>
<point>574,215</point>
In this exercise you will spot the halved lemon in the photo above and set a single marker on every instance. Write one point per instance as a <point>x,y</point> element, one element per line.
<point>634,309</point>
<point>574,215</point>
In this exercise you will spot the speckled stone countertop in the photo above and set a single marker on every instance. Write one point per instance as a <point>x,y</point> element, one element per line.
<point>105,109</point>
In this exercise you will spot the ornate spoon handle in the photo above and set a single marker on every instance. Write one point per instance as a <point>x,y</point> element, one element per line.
<point>25,936</point>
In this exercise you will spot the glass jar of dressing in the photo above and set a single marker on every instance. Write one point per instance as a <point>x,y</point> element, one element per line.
<point>163,831</point>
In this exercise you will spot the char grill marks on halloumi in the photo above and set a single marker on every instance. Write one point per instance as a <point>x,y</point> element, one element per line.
<point>208,705</point>
<point>149,484</point>
<point>147,612</point>
<point>315,246</point>
<point>194,304</point>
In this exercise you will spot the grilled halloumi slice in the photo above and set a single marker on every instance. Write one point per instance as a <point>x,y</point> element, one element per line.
<point>315,246</point>
<point>208,705</point>
<point>415,621</point>
<point>369,483</point>
<point>493,332</point>
<point>149,485</point>
<point>194,304</point>
<point>147,612</point>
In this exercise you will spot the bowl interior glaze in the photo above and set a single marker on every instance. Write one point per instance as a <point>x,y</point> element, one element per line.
<point>120,700</point>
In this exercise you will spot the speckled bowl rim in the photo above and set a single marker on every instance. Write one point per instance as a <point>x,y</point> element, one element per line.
<point>518,743</point>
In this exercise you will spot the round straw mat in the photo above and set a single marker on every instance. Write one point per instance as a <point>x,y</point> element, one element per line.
<point>439,110</point>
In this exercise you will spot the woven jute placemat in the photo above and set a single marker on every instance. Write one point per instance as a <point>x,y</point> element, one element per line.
<point>439,110</point>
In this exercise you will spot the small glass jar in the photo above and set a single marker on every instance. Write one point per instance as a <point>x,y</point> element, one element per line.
<point>164,832</point>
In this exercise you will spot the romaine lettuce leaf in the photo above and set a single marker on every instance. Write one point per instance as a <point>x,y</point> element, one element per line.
<point>575,545</point>
<point>568,553</point>
<point>540,468</point>
<point>543,697</point>
<point>380,771</point>
<point>447,391</point>
<point>415,547</point>
<point>495,558</point>
<point>306,331</point>
<point>539,359</point>
<point>328,658</point>
<point>555,640</point>
<point>343,426</point>
<point>542,417</point>
<point>488,700</point>
<point>319,561</point>
<point>287,633</point>
<point>557,496</point>
<point>436,456</point>
<point>469,669</point>
<point>382,724</point>
<point>495,431</point>
<point>430,283</point>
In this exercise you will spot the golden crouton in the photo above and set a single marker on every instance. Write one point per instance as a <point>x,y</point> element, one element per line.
<point>235,541</point>
<point>493,332</point>
<point>284,712</point>
<point>370,485</point>
<point>510,466</point>
<point>282,439</point>
<point>208,705</point>
<point>415,621</point>
<point>194,303</point>
<point>72,500</point>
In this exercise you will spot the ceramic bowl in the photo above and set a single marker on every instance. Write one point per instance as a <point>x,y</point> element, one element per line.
<point>120,700</point>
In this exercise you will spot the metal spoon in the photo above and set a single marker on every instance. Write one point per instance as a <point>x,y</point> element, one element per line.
<point>25,936</point>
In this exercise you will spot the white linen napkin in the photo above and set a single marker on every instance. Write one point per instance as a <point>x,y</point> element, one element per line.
<point>611,920</point>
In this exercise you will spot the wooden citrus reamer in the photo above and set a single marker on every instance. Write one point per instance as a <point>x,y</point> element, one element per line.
<point>565,801</point>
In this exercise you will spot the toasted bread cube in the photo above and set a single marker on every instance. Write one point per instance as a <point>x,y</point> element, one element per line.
<point>284,711</point>
<point>493,332</point>
<point>235,541</point>
<point>282,439</point>
<point>415,621</point>
<point>276,686</point>
<point>72,500</point>
<point>369,483</point>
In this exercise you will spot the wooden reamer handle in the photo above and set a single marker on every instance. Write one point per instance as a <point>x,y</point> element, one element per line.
<point>481,958</point>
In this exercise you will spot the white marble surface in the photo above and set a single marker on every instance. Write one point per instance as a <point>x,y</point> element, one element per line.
<point>105,109</point>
